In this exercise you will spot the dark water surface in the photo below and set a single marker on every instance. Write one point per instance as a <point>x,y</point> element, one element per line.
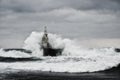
<point>39,75</point>
<point>111,74</point>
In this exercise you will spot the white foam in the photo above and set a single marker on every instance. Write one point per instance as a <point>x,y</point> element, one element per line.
<point>67,64</point>
<point>73,59</point>
<point>33,43</point>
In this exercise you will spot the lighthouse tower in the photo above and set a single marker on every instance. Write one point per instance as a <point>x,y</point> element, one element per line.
<point>45,39</point>
<point>48,50</point>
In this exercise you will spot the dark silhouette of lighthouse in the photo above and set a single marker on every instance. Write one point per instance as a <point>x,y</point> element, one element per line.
<point>48,50</point>
<point>45,39</point>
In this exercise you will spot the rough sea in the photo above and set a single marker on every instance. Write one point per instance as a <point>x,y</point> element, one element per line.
<point>75,63</point>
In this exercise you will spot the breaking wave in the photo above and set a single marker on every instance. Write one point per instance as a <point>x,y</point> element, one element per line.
<point>74,58</point>
<point>13,53</point>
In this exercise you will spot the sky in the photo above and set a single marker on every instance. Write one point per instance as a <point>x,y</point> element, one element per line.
<point>75,19</point>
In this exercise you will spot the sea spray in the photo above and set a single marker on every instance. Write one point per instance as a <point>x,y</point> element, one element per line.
<point>33,42</point>
<point>73,58</point>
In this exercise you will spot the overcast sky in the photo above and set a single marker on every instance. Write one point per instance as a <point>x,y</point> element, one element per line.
<point>80,19</point>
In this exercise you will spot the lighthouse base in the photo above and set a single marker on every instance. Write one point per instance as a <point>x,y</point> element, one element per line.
<point>52,52</point>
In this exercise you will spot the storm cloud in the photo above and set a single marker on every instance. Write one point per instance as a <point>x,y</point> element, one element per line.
<point>46,5</point>
<point>81,19</point>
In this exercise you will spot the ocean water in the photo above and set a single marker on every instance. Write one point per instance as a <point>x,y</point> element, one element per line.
<point>74,58</point>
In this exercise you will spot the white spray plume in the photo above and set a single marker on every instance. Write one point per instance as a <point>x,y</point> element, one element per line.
<point>73,58</point>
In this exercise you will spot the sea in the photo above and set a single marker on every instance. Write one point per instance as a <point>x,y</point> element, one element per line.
<point>75,63</point>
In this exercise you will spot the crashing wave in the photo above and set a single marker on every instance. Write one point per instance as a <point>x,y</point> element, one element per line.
<point>74,58</point>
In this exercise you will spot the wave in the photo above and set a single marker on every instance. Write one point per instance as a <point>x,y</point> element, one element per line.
<point>115,69</point>
<point>74,58</point>
<point>14,59</point>
<point>13,53</point>
<point>17,49</point>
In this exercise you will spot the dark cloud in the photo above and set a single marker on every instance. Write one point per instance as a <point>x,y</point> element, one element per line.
<point>46,5</point>
<point>71,18</point>
<point>117,1</point>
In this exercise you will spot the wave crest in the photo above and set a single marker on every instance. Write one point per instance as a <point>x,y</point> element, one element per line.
<point>74,58</point>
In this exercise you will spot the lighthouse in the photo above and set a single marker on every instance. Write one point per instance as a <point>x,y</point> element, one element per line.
<point>45,39</point>
<point>48,50</point>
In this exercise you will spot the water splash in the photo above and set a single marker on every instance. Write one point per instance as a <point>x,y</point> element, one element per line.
<point>74,58</point>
